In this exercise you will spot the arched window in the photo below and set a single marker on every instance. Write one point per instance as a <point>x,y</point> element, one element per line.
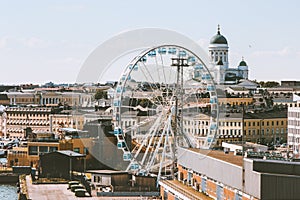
<point>216,57</point>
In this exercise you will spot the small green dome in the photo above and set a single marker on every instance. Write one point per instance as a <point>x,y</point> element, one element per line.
<point>243,63</point>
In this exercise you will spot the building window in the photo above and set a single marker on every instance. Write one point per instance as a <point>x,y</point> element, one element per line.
<point>33,150</point>
<point>52,149</point>
<point>77,150</point>
<point>86,151</point>
<point>43,149</point>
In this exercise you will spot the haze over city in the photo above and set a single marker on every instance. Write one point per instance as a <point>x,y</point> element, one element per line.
<point>50,40</point>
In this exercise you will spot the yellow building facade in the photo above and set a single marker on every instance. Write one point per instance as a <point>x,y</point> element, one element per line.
<point>266,128</point>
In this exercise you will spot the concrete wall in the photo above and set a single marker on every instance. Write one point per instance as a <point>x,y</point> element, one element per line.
<point>223,172</point>
<point>252,179</point>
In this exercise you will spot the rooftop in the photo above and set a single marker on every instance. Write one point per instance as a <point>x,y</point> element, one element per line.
<point>220,155</point>
<point>186,190</point>
<point>106,172</point>
<point>70,153</point>
<point>267,115</point>
<point>4,97</point>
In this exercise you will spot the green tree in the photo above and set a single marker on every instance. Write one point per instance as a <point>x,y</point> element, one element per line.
<point>101,94</point>
<point>269,84</point>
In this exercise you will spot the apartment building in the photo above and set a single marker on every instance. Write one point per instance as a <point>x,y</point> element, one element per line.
<point>19,119</point>
<point>47,97</point>
<point>294,127</point>
<point>266,127</point>
<point>39,120</point>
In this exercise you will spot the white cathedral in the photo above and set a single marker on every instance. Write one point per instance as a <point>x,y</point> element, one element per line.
<point>218,53</point>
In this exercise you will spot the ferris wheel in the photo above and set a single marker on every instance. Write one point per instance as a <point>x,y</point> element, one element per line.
<point>157,94</point>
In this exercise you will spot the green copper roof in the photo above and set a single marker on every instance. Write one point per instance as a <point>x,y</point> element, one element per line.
<point>218,39</point>
<point>243,63</point>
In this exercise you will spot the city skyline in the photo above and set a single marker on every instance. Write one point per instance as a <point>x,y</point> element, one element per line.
<point>49,41</point>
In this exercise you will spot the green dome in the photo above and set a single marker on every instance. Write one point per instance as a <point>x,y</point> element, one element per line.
<point>218,39</point>
<point>243,63</point>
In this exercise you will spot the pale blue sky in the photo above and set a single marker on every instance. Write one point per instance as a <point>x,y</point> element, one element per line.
<point>44,41</point>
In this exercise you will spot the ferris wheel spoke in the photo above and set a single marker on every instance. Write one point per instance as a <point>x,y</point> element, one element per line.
<point>149,74</point>
<point>149,82</point>
<point>157,126</point>
<point>145,138</point>
<point>186,138</point>
<point>165,131</point>
<point>158,74</point>
<point>163,157</point>
<point>163,68</point>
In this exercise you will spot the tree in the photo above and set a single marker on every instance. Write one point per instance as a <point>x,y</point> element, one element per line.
<point>100,94</point>
<point>269,84</point>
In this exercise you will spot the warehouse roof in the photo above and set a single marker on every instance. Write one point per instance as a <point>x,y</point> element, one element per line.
<point>220,155</point>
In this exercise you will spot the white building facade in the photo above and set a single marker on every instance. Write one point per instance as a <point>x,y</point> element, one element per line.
<point>294,127</point>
